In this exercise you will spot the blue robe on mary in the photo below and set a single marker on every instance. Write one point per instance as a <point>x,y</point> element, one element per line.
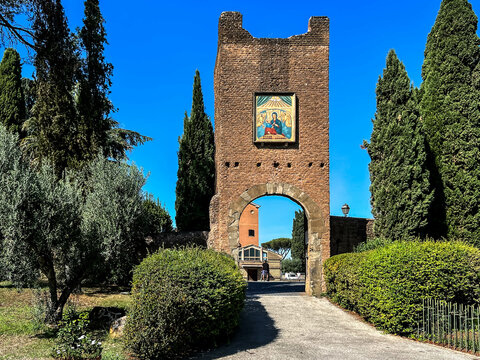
<point>287,131</point>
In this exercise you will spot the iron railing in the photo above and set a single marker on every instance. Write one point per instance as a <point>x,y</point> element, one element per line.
<point>454,325</point>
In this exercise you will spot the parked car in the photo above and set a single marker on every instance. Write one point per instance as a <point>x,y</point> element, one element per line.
<point>292,276</point>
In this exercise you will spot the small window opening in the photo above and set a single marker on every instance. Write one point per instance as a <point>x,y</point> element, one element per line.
<point>251,232</point>
<point>236,164</point>
<point>310,164</point>
<point>259,164</point>
<point>276,164</point>
<point>289,165</point>
<point>227,164</point>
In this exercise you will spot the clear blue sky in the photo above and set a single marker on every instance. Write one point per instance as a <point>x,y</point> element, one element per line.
<point>156,46</point>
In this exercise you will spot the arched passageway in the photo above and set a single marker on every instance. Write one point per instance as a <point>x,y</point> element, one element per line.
<point>317,249</point>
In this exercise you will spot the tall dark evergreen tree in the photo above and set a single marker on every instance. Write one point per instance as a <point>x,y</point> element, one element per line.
<point>400,180</point>
<point>93,104</point>
<point>12,102</point>
<point>29,94</point>
<point>298,238</point>
<point>450,108</point>
<point>196,167</point>
<point>53,127</point>
<point>99,131</point>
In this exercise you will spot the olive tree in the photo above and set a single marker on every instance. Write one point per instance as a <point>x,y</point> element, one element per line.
<point>63,230</point>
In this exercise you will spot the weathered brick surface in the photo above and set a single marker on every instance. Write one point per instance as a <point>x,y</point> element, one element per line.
<point>348,232</point>
<point>246,171</point>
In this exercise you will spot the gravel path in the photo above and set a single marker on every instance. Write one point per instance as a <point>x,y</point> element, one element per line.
<point>281,322</point>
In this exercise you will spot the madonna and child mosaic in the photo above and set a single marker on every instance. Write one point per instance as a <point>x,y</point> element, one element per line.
<point>275,118</point>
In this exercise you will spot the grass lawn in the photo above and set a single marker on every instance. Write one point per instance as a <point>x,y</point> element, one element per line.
<point>21,337</point>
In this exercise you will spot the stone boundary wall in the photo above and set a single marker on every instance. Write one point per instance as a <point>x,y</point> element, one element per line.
<point>348,232</point>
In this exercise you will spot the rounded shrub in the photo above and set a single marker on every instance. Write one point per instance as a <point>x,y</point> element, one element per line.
<point>183,300</point>
<point>386,285</point>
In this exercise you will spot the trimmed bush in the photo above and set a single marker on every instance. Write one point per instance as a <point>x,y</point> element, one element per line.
<point>372,244</point>
<point>386,285</point>
<point>183,300</point>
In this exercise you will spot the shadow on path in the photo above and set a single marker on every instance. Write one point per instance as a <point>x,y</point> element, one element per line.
<point>275,288</point>
<point>256,328</point>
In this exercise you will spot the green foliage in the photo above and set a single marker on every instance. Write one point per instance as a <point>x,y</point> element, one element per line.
<point>155,218</point>
<point>112,214</point>
<point>281,246</point>
<point>450,107</point>
<point>73,340</point>
<point>293,265</point>
<point>100,132</point>
<point>12,102</point>
<point>40,219</point>
<point>64,230</point>
<point>372,244</point>
<point>30,95</point>
<point>93,104</point>
<point>183,300</point>
<point>196,167</point>
<point>52,131</point>
<point>70,121</point>
<point>400,180</point>
<point>386,285</point>
<point>298,239</point>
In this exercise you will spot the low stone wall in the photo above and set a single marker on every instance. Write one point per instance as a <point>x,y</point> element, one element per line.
<point>348,232</point>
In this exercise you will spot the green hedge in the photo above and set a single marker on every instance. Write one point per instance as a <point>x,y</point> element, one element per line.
<point>386,285</point>
<point>183,300</point>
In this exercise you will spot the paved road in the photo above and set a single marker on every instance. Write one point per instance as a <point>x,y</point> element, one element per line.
<point>281,322</point>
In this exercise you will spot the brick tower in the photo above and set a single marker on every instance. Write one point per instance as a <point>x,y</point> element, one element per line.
<point>247,165</point>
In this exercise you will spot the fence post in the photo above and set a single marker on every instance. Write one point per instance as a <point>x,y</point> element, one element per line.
<point>473,329</point>
<point>478,326</point>
<point>428,319</point>
<point>455,325</point>
<point>437,310</point>
<point>423,317</point>
<point>462,334</point>
<point>449,329</point>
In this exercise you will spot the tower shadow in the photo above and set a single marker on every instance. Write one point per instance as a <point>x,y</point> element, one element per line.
<point>275,288</point>
<point>256,329</point>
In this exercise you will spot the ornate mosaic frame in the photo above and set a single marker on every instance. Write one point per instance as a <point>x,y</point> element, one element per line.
<point>274,119</point>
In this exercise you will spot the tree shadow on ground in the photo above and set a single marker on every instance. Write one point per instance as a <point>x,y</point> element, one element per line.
<point>275,287</point>
<point>255,330</point>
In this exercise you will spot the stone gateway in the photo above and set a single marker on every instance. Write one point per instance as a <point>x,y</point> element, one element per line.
<point>247,69</point>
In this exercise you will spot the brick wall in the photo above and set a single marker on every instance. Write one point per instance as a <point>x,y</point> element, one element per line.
<point>348,232</point>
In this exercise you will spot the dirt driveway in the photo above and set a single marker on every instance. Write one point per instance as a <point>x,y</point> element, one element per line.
<point>281,322</point>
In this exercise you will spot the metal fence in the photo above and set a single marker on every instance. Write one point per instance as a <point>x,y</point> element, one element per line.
<point>453,325</point>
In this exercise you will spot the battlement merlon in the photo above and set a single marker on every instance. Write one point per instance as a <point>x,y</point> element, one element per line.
<point>230,30</point>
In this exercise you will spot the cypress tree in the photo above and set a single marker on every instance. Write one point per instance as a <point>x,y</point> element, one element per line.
<point>298,238</point>
<point>99,132</point>
<point>400,180</point>
<point>450,107</point>
<point>93,103</point>
<point>12,102</point>
<point>196,167</point>
<point>52,129</point>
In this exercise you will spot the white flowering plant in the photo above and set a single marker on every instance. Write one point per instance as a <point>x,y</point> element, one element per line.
<point>73,341</point>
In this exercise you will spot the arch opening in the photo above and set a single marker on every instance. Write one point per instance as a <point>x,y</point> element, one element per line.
<point>272,240</point>
<point>316,249</point>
